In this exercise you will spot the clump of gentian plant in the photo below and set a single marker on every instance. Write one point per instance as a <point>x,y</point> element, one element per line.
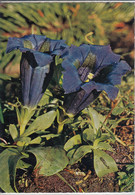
<point>36,68</point>
<point>87,71</point>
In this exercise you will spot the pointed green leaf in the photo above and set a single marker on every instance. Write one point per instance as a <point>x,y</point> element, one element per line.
<point>97,119</point>
<point>50,160</point>
<point>104,146</point>
<point>104,137</point>
<point>41,123</point>
<point>5,77</point>
<point>70,155</point>
<point>49,136</point>
<point>13,131</point>
<point>75,140</point>
<point>22,165</point>
<point>8,159</point>
<point>37,140</point>
<point>103,163</point>
<point>80,153</point>
<point>45,99</point>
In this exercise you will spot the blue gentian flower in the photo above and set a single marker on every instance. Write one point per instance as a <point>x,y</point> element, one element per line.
<point>37,63</point>
<point>88,70</point>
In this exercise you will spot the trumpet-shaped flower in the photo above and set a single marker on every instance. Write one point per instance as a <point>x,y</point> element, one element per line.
<point>88,70</point>
<point>37,63</point>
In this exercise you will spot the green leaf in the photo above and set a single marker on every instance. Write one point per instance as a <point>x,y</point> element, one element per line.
<point>41,123</point>
<point>1,115</point>
<point>97,119</point>
<point>104,137</point>
<point>37,140</point>
<point>50,160</point>
<point>49,136</point>
<point>88,135</point>
<point>22,165</point>
<point>103,163</point>
<point>80,152</point>
<point>45,99</point>
<point>23,141</point>
<point>8,158</point>
<point>75,140</point>
<point>99,134</point>
<point>104,146</point>
<point>70,155</point>
<point>5,77</point>
<point>130,105</point>
<point>118,110</point>
<point>13,131</point>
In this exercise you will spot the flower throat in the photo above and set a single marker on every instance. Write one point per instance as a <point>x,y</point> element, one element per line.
<point>87,68</point>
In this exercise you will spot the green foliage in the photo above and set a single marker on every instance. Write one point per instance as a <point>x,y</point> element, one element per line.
<point>96,142</point>
<point>5,77</point>
<point>78,154</point>
<point>103,163</point>
<point>9,159</point>
<point>50,160</point>
<point>75,140</point>
<point>60,21</point>
<point>1,115</point>
<point>126,179</point>
<point>41,123</point>
<point>13,131</point>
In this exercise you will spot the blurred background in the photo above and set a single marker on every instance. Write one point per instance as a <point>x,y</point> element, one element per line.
<point>77,23</point>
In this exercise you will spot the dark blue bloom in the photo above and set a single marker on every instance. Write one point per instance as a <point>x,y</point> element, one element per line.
<point>37,64</point>
<point>88,70</point>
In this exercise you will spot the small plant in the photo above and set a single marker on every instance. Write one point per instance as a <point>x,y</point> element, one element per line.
<point>55,123</point>
<point>126,179</point>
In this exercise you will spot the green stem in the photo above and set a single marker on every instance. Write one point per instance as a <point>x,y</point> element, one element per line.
<point>62,118</point>
<point>1,115</point>
<point>62,178</point>
<point>120,141</point>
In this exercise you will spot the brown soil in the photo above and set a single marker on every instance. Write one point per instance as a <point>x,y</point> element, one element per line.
<point>82,176</point>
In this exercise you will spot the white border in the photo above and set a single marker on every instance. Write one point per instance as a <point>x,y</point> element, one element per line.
<point>65,1</point>
<point>77,1</point>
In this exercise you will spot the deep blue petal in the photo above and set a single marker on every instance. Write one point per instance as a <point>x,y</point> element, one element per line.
<point>37,40</point>
<point>85,49</point>
<point>56,46</point>
<point>87,100</point>
<point>72,101</point>
<point>41,58</point>
<point>83,72</point>
<point>18,43</point>
<point>33,74</point>
<point>77,101</point>
<point>104,55</point>
<point>37,81</point>
<point>14,43</point>
<point>26,74</point>
<point>109,89</point>
<point>72,54</point>
<point>71,80</point>
<point>100,52</point>
<point>111,74</point>
<point>119,70</point>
